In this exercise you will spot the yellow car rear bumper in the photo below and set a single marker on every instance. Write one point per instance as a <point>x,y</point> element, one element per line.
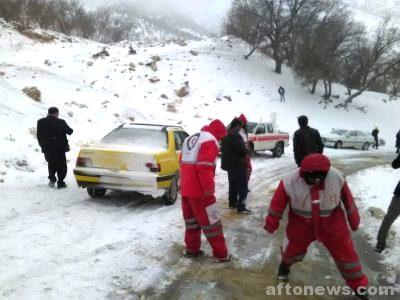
<point>144,182</point>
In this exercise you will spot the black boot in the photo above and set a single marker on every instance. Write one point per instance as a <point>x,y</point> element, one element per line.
<point>283,272</point>
<point>61,185</point>
<point>362,294</point>
<point>193,254</point>
<point>380,246</point>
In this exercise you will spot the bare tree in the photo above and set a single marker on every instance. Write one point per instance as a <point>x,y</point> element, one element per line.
<point>102,20</point>
<point>69,12</point>
<point>86,25</point>
<point>273,22</point>
<point>12,10</point>
<point>322,46</point>
<point>393,80</point>
<point>242,24</point>
<point>42,12</point>
<point>118,29</point>
<point>367,60</point>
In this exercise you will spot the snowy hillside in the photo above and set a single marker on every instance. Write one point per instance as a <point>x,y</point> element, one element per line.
<point>373,12</point>
<point>376,196</point>
<point>379,8</point>
<point>95,95</point>
<point>151,25</point>
<point>154,30</point>
<point>121,247</point>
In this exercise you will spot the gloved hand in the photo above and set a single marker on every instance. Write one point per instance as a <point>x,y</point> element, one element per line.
<point>354,221</point>
<point>271,224</point>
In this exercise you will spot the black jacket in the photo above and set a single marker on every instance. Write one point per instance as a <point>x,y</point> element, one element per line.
<point>306,141</point>
<point>375,133</point>
<point>396,165</point>
<point>51,134</point>
<point>398,140</point>
<point>233,152</point>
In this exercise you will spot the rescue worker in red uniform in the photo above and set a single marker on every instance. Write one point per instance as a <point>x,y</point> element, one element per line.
<point>316,193</point>
<point>245,136</point>
<point>199,206</point>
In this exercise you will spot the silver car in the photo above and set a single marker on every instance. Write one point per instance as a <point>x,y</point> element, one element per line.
<point>341,138</point>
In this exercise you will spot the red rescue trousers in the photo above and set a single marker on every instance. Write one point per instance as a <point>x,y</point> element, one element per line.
<point>202,214</point>
<point>341,249</point>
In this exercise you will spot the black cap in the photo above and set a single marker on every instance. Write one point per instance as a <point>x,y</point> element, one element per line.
<point>236,122</point>
<point>303,121</point>
<point>52,110</point>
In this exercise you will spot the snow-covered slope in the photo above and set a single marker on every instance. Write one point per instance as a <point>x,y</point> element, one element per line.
<point>95,95</point>
<point>153,28</point>
<point>151,25</point>
<point>372,12</point>
<point>375,188</point>
<point>119,246</point>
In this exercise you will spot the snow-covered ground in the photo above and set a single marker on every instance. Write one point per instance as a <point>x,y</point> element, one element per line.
<point>61,244</point>
<point>96,95</point>
<point>374,188</point>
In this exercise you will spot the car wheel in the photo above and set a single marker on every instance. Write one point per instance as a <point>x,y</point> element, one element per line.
<point>278,150</point>
<point>339,145</point>
<point>366,146</point>
<point>96,192</point>
<point>171,194</point>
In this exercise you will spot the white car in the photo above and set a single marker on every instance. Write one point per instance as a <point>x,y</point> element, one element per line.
<point>381,142</point>
<point>341,138</point>
<point>263,136</point>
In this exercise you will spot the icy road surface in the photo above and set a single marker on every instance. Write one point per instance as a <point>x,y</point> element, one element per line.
<point>61,244</point>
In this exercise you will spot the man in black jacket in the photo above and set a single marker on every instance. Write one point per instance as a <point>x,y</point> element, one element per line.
<point>306,140</point>
<point>233,160</point>
<point>281,92</point>
<point>392,213</point>
<point>51,134</point>
<point>375,133</point>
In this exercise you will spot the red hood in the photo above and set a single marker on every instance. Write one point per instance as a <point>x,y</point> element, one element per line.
<point>217,129</point>
<point>314,163</point>
<point>243,119</point>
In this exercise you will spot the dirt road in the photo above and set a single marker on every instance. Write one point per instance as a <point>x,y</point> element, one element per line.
<point>258,253</point>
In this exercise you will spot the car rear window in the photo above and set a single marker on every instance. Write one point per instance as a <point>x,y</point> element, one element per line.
<point>251,127</point>
<point>142,137</point>
<point>339,131</point>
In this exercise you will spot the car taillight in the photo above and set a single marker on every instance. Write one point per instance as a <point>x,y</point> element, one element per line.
<point>84,162</point>
<point>153,167</point>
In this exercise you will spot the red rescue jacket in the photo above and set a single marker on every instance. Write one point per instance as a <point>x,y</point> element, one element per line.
<point>198,161</point>
<point>314,211</point>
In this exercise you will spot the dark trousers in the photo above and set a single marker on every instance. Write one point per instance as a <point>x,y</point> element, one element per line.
<point>283,98</point>
<point>376,143</point>
<point>57,164</point>
<point>237,187</point>
<point>391,216</point>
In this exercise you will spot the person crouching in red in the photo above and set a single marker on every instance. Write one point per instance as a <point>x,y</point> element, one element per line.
<point>199,206</point>
<point>315,194</point>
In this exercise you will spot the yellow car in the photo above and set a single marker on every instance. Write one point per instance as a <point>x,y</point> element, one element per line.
<point>133,157</point>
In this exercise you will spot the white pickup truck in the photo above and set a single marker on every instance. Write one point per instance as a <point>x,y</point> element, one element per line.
<point>263,136</point>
